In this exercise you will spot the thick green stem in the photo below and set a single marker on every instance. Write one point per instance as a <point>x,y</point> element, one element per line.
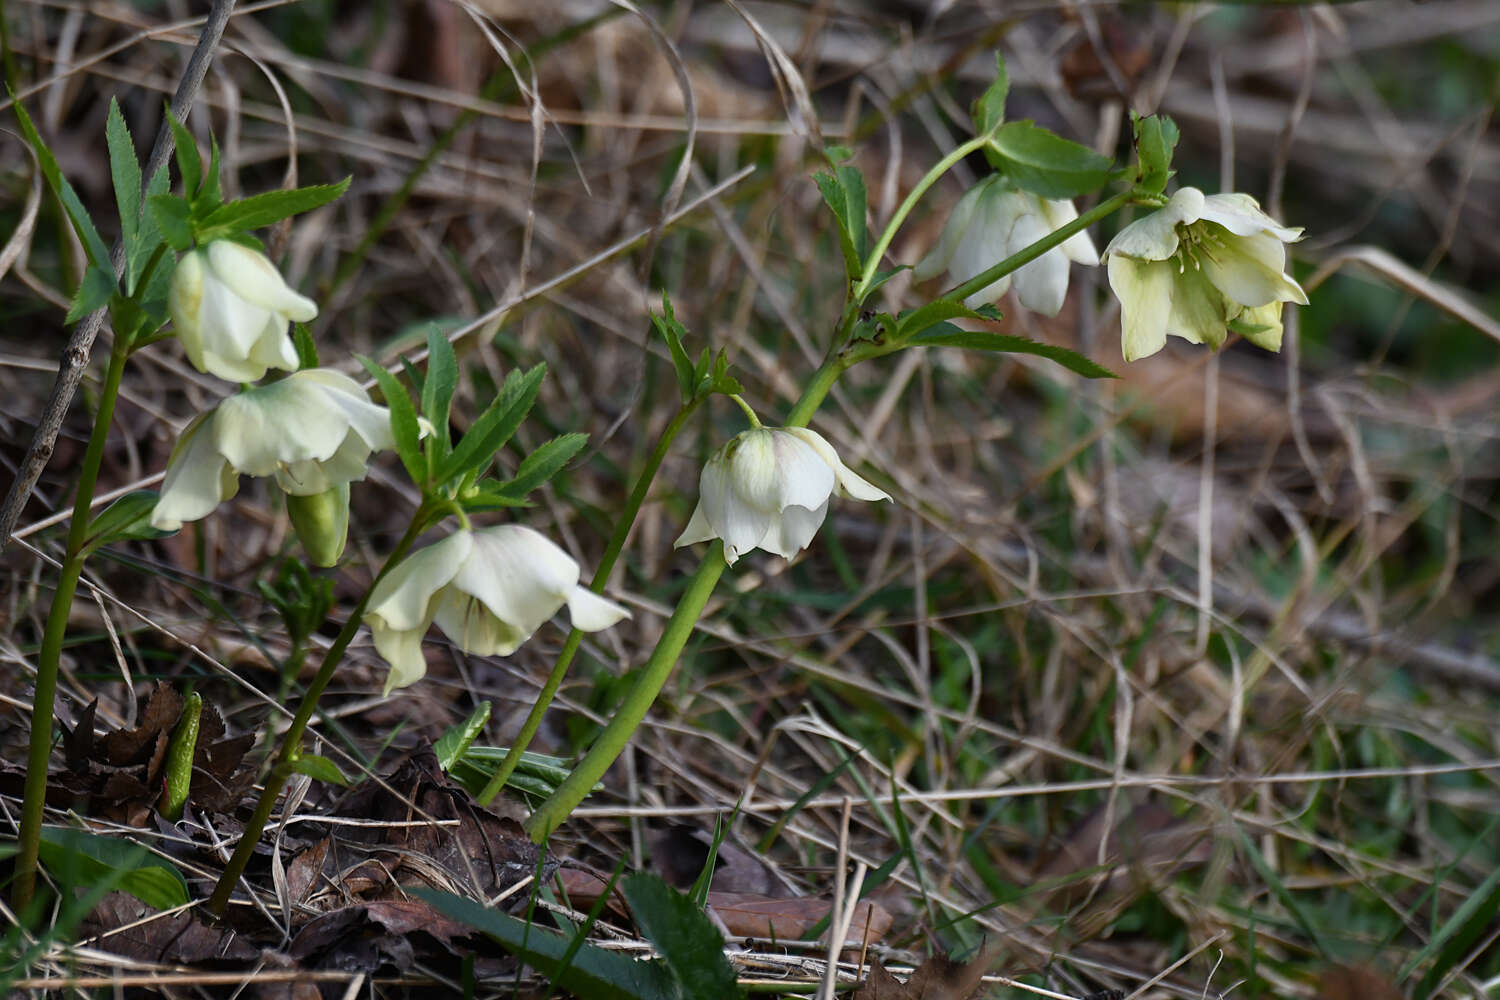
<point>291,742</point>
<point>611,742</point>
<point>1053,239</point>
<point>601,575</point>
<point>883,244</point>
<point>35,800</point>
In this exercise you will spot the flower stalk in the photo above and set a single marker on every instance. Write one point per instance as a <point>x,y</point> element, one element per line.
<point>50,657</point>
<point>291,741</point>
<point>612,552</point>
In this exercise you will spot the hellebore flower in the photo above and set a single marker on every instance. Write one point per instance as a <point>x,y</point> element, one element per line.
<point>769,488</point>
<point>488,590</point>
<point>230,307</point>
<point>1196,265</point>
<point>991,222</point>
<point>313,431</point>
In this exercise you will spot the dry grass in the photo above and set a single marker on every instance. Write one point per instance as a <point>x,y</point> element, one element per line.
<point>1175,685</point>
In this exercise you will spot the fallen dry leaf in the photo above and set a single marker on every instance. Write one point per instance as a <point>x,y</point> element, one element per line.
<point>938,978</point>
<point>755,916</point>
<point>182,937</point>
<point>366,936</point>
<point>1355,982</point>
<point>679,852</point>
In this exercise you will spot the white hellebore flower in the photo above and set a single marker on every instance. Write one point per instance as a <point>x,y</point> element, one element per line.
<point>230,307</point>
<point>769,488</point>
<point>994,220</point>
<point>488,590</point>
<point>1197,264</point>
<point>313,430</point>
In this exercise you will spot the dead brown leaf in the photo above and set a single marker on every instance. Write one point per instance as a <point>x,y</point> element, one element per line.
<point>124,747</point>
<point>754,916</point>
<point>182,937</point>
<point>938,978</point>
<point>1356,982</point>
<point>302,874</point>
<point>366,936</point>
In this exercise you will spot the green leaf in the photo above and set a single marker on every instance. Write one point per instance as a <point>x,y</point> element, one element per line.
<point>673,333</point>
<point>918,321</point>
<point>989,109</point>
<point>535,772</point>
<point>307,350</point>
<point>319,769</point>
<point>455,742</point>
<point>438,385</point>
<point>189,163</point>
<point>839,200</point>
<point>93,245</point>
<point>592,972</point>
<point>688,941</point>
<point>1155,138</point>
<point>209,197</point>
<point>837,154</point>
<point>948,335</point>
<point>125,172</point>
<point>496,425</point>
<point>542,464</point>
<point>127,518</point>
<point>1045,163</point>
<point>404,426</point>
<point>81,857</point>
<point>94,292</point>
<point>490,496</point>
<point>174,218</point>
<point>270,207</point>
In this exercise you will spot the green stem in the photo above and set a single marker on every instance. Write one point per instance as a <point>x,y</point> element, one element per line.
<point>939,169</point>
<point>35,800</point>
<point>654,673</point>
<point>601,575</point>
<point>1053,239</point>
<point>291,742</point>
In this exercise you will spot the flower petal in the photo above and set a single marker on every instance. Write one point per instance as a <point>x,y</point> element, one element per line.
<point>254,278</point>
<point>1249,269</point>
<point>402,599</point>
<point>698,529</point>
<point>959,221</point>
<point>850,484</point>
<point>1241,215</point>
<point>286,421</point>
<point>402,649</point>
<point>1079,248</point>
<point>1267,316</point>
<point>1199,312</point>
<point>794,529</point>
<point>1155,236</point>
<point>195,482</point>
<point>1042,284</point>
<point>520,575</point>
<point>592,613</point>
<point>185,305</point>
<point>369,420</point>
<point>465,619</point>
<point>804,476</point>
<point>1144,289</point>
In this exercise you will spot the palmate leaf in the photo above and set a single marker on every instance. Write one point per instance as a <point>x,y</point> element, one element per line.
<point>542,464</point>
<point>495,426</point>
<point>673,333</point>
<point>989,108</point>
<point>267,208</point>
<point>93,244</point>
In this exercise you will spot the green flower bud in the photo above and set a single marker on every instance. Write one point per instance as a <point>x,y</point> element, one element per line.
<point>322,523</point>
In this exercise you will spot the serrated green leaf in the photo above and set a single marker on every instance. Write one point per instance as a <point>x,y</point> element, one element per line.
<point>438,386</point>
<point>319,768</point>
<point>837,199</point>
<point>127,518</point>
<point>174,218</point>
<point>82,857</point>
<point>93,245</point>
<point>94,292</point>
<point>989,108</point>
<point>1045,163</point>
<point>948,335</point>
<point>917,321</point>
<point>591,972</point>
<point>307,349</point>
<point>495,426</point>
<point>404,426</point>
<point>269,207</point>
<point>125,173</point>
<point>209,198</point>
<point>456,740</point>
<point>189,163</point>
<point>688,941</point>
<point>673,332</point>
<point>489,497</point>
<point>837,154</point>
<point>853,183</point>
<point>1155,138</point>
<point>881,277</point>
<point>544,463</point>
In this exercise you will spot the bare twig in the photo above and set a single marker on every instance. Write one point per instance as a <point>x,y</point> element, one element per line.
<point>75,357</point>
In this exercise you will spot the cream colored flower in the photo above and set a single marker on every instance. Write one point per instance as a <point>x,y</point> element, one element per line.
<point>313,431</point>
<point>488,590</point>
<point>768,489</point>
<point>1196,265</point>
<point>230,308</point>
<point>994,220</point>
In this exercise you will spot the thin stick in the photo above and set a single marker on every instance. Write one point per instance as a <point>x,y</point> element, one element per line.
<point>75,357</point>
